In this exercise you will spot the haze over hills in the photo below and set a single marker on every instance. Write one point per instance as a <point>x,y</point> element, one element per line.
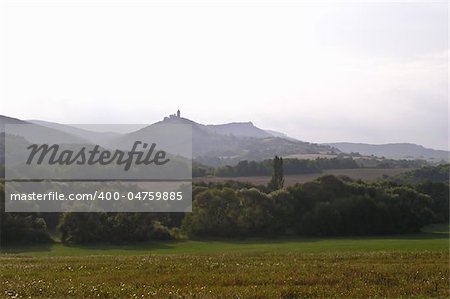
<point>92,136</point>
<point>243,129</point>
<point>211,144</point>
<point>20,137</point>
<point>393,151</point>
<point>35,132</point>
<point>222,144</point>
<point>279,134</point>
<point>9,120</point>
<point>230,143</point>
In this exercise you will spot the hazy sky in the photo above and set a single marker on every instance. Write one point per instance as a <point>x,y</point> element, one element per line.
<point>319,71</point>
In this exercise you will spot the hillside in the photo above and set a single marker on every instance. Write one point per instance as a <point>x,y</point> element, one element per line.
<point>19,137</point>
<point>212,144</point>
<point>212,148</point>
<point>9,120</point>
<point>223,144</point>
<point>279,134</point>
<point>37,133</point>
<point>393,151</point>
<point>92,136</point>
<point>239,129</point>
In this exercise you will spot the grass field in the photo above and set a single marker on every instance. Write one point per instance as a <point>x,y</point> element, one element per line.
<point>289,180</point>
<point>393,266</point>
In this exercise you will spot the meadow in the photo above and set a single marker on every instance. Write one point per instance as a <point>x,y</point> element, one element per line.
<point>391,266</point>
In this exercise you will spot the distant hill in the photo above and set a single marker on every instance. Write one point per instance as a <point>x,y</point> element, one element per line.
<point>9,120</point>
<point>393,151</point>
<point>227,144</point>
<point>245,129</point>
<point>100,138</point>
<point>240,129</point>
<point>36,132</point>
<point>215,145</point>
<point>279,134</point>
<point>20,138</point>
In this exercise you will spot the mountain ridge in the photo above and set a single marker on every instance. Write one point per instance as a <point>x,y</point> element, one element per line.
<point>220,144</point>
<point>232,142</point>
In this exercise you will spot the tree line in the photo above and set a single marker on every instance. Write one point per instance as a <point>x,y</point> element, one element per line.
<point>302,166</point>
<point>290,166</point>
<point>328,206</point>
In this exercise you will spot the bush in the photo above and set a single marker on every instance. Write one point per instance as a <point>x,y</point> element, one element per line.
<point>112,228</point>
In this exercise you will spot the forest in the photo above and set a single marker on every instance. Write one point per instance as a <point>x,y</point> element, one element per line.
<point>327,206</point>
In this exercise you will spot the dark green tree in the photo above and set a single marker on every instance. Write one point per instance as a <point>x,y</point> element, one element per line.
<point>277,180</point>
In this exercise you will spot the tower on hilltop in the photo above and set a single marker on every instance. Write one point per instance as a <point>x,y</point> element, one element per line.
<point>173,116</point>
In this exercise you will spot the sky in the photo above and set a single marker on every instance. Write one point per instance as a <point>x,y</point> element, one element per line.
<point>320,71</point>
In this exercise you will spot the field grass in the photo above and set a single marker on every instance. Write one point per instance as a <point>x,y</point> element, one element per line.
<point>393,266</point>
<point>231,275</point>
<point>367,174</point>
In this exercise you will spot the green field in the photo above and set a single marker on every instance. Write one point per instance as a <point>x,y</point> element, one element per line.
<point>392,266</point>
<point>416,242</point>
